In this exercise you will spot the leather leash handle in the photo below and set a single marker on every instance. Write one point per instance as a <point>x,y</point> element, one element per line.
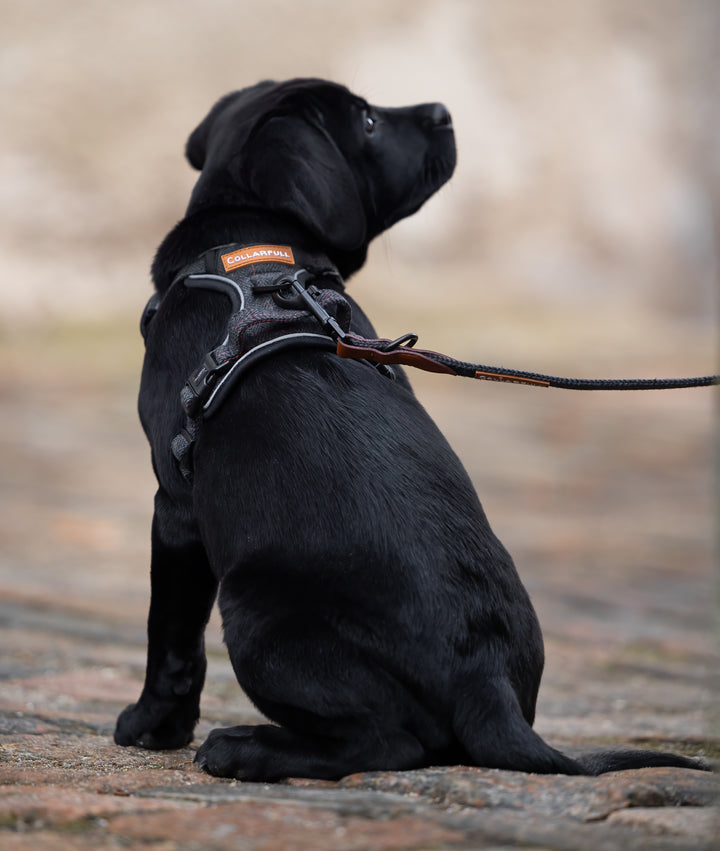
<point>402,356</point>
<point>429,361</point>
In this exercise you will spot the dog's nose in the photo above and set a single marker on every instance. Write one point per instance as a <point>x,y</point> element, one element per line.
<point>435,115</point>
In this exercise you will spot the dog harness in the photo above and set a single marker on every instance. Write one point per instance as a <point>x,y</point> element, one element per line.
<point>276,304</point>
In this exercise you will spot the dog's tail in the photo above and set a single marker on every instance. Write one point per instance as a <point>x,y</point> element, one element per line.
<point>602,762</point>
<point>496,735</point>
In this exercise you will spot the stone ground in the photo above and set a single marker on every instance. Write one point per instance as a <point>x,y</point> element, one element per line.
<point>604,500</point>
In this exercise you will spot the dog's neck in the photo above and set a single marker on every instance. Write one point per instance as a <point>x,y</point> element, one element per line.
<point>220,225</point>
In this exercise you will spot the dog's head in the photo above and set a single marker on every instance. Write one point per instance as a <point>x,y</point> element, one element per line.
<point>311,150</point>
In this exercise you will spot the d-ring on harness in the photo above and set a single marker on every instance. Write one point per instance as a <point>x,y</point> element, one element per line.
<point>275,309</point>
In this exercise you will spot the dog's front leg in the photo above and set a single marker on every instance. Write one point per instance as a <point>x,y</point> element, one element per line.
<point>182,596</point>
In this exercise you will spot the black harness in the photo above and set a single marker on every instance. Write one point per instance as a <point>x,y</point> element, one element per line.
<point>277,304</point>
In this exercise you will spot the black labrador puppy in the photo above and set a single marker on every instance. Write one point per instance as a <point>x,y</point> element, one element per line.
<point>368,608</point>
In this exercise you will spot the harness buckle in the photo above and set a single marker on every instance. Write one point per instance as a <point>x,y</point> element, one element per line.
<point>200,385</point>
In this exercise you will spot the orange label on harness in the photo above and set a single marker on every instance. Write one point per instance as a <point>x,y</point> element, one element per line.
<point>257,254</point>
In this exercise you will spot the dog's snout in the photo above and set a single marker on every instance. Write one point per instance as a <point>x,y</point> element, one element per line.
<point>435,115</point>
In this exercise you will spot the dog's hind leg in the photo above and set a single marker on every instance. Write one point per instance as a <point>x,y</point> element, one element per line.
<point>268,753</point>
<point>339,711</point>
<point>182,595</point>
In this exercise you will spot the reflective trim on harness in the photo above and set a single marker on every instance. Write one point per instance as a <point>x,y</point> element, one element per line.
<point>220,284</point>
<point>259,352</point>
<point>183,443</point>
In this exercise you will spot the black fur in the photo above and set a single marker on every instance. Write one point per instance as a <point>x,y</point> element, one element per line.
<point>368,608</point>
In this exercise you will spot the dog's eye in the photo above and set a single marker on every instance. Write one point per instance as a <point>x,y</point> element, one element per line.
<point>369,123</point>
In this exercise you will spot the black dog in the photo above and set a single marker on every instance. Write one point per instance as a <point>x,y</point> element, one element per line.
<point>368,609</point>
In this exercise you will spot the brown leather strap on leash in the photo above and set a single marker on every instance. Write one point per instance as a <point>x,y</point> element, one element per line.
<point>401,355</point>
<point>401,352</point>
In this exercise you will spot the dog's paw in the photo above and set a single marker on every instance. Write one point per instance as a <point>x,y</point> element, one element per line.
<point>155,728</point>
<point>231,752</point>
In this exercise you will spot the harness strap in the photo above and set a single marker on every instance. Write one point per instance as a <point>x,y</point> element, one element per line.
<point>198,405</point>
<point>209,385</point>
<point>182,445</point>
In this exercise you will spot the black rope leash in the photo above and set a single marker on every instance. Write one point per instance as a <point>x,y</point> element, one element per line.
<point>488,373</point>
<point>401,351</point>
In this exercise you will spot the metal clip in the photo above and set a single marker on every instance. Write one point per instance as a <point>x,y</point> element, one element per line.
<point>407,341</point>
<point>306,297</point>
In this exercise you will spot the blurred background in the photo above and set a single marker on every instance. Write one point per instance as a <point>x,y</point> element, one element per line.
<point>587,133</point>
<point>579,235</point>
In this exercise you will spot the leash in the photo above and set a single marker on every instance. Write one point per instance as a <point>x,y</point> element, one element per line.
<point>401,352</point>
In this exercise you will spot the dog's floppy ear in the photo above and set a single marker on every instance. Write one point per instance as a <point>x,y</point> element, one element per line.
<point>295,167</point>
<point>197,144</point>
<point>196,149</point>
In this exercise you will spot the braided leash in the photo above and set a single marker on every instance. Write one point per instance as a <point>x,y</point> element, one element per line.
<point>401,351</point>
